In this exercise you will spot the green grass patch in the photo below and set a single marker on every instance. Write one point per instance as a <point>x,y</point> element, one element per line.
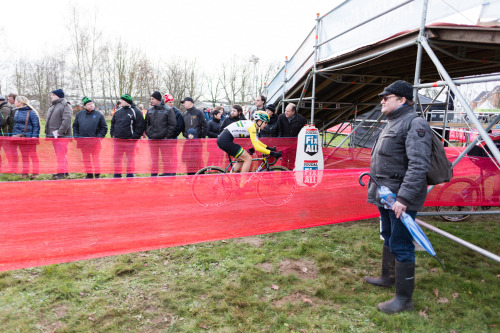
<point>308,280</point>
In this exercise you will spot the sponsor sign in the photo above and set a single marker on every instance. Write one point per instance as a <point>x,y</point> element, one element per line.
<point>311,142</point>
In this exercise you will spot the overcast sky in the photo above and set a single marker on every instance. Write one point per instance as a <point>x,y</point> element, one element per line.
<point>208,30</point>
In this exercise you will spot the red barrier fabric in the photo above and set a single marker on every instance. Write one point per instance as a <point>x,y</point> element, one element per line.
<point>47,222</point>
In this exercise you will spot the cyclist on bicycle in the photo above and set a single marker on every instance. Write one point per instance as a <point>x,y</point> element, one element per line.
<point>245,129</point>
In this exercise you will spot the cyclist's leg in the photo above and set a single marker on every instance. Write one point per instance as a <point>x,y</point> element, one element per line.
<point>225,142</point>
<point>237,166</point>
<point>247,161</point>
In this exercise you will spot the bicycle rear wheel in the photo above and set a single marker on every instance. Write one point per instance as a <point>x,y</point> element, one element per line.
<point>462,191</point>
<point>212,187</point>
<point>276,188</point>
<point>210,170</point>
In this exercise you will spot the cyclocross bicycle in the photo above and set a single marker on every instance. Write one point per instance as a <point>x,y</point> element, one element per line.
<point>217,190</point>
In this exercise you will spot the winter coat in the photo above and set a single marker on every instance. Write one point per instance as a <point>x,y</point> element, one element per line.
<point>127,123</point>
<point>228,121</point>
<point>400,160</point>
<point>290,128</point>
<point>7,114</point>
<point>180,122</point>
<point>160,122</point>
<point>59,118</point>
<point>90,124</point>
<point>271,129</point>
<point>214,128</point>
<point>33,126</point>
<point>194,118</point>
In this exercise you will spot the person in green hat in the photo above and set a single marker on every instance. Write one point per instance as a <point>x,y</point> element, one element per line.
<point>127,125</point>
<point>90,123</point>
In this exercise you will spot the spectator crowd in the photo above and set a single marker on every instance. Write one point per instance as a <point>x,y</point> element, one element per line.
<point>129,123</point>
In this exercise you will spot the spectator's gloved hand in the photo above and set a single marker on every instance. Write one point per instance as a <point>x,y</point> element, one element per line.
<point>251,151</point>
<point>275,154</point>
<point>272,148</point>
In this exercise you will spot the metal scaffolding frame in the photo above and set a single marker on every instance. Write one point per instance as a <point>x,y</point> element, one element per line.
<point>423,45</point>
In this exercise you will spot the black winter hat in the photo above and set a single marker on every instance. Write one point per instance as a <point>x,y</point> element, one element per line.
<point>187,99</point>
<point>59,93</point>
<point>157,95</point>
<point>271,107</point>
<point>400,88</point>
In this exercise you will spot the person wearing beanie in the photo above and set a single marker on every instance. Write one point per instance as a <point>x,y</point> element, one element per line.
<point>160,125</point>
<point>127,126</point>
<point>169,100</point>
<point>58,127</point>
<point>90,125</point>
<point>400,160</point>
<point>192,152</point>
<point>4,117</point>
<point>8,110</point>
<point>59,93</point>
<point>271,130</point>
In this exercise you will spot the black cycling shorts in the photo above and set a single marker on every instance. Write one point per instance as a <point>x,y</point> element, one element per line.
<point>225,142</point>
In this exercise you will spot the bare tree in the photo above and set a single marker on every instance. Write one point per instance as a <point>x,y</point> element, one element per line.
<point>46,74</point>
<point>228,76</point>
<point>85,44</point>
<point>214,87</point>
<point>174,80</point>
<point>193,80</point>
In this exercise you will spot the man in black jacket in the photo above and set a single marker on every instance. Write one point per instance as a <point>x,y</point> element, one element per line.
<point>90,123</point>
<point>290,123</point>
<point>193,118</point>
<point>400,160</point>
<point>214,124</point>
<point>127,125</point>
<point>160,125</point>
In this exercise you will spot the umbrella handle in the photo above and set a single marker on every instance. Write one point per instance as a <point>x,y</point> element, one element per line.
<point>439,261</point>
<point>367,174</point>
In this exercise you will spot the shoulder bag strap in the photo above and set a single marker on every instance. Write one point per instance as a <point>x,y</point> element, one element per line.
<point>26,122</point>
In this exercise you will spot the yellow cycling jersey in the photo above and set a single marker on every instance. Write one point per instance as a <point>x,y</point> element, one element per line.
<point>245,129</point>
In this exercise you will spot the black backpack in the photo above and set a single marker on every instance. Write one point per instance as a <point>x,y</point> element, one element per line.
<point>440,170</point>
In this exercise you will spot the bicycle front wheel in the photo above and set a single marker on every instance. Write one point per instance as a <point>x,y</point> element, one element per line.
<point>278,187</point>
<point>214,190</point>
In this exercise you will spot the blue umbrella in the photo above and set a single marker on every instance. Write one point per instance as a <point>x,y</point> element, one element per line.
<point>388,199</point>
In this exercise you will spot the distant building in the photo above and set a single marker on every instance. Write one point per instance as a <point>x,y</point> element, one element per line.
<point>487,99</point>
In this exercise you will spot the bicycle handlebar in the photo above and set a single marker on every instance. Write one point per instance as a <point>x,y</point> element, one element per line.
<point>268,158</point>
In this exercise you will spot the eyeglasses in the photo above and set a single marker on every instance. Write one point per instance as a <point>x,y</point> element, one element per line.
<point>386,97</point>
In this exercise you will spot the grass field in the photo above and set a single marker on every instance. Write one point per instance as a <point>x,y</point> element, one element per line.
<point>297,281</point>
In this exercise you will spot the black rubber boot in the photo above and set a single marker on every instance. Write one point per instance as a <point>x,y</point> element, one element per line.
<point>405,283</point>
<point>387,278</point>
